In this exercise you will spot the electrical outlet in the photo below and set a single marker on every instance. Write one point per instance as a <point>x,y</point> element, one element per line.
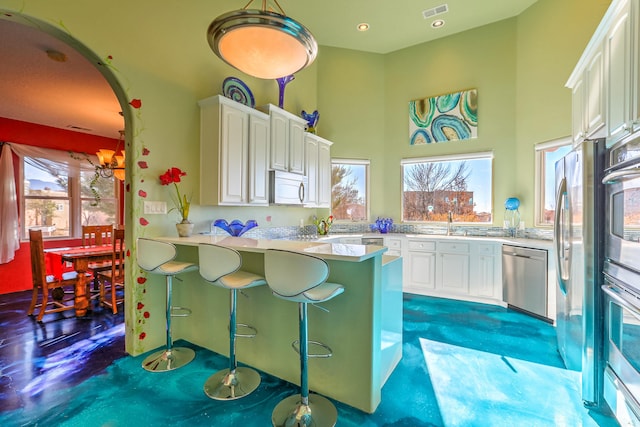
<point>154,208</point>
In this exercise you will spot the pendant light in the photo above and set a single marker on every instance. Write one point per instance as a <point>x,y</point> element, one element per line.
<point>111,164</point>
<point>262,43</point>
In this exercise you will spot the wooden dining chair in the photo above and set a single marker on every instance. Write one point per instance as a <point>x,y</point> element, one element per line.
<point>97,235</point>
<point>57,293</point>
<point>111,281</point>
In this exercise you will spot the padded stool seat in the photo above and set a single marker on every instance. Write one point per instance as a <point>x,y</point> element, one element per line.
<point>156,257</point>
<point>220,266</point>
<point>301,278</point>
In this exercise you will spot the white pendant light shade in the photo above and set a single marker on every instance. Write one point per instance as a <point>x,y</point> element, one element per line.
<point>262,44</point>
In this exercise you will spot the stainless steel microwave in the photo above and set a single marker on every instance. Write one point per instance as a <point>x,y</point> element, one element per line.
<point>287,188</point>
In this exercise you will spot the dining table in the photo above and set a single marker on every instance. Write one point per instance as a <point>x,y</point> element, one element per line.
<point>79,257</point>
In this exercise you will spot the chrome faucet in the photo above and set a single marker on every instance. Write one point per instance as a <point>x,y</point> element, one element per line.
<point>449,220</point>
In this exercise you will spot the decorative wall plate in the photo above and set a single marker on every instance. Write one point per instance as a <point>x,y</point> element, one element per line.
<point>236,89</point>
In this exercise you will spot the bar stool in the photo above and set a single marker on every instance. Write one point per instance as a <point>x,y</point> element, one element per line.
<point>156,257</point>
<point>220,266</point>
<point>301,278</point>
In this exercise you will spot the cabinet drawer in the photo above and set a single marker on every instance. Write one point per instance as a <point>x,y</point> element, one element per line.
<point>486,249</point>
<point>456,247</point>
<point>393,243</point>
<point>421,246</point>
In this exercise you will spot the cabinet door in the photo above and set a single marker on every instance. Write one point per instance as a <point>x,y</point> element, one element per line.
<point>279,141</point>
<point>311,171</point>
<point>422,269</point>
<point>324,175</point>
<point>453,272</point>
<point>484,273</point>
<point>234,139</point>
<point>618,54</point>
<point>484,277</point>
<point>296,146</point>
<point>577,111</point>
<point>258,160</point>
<point>594,78</point>
<point>635,77</point>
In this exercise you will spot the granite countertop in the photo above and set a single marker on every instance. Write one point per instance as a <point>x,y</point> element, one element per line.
<point>325,250</point>
<point>517,241</point>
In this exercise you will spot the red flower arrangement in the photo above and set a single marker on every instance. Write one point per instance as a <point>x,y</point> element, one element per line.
<point>173,176</point>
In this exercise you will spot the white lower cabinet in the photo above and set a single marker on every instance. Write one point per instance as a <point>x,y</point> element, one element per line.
<point>486,271</point>
<point>422,272</point>
<point>459,269</point>
<point>452,267</point>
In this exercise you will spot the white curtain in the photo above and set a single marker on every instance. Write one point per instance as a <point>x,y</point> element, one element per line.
<point>51,161</point>
<point>9,227</point>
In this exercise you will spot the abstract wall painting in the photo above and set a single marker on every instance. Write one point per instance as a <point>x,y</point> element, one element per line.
<point>443,118</point>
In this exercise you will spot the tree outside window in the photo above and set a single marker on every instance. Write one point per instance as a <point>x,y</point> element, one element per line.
<point>457,187</point>
<point>58,202</point>
<point>349,189</point>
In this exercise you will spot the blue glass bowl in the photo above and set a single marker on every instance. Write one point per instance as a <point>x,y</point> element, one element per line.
<point>383,225</point>
<point>236,228</point>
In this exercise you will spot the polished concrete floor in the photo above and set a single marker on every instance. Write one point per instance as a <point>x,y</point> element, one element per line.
<point>463,364</point>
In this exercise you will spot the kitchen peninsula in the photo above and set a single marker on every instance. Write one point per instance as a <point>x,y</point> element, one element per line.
<point>363,326</point>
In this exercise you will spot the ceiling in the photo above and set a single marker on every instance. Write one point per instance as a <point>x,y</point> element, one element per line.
<point>74,95</point>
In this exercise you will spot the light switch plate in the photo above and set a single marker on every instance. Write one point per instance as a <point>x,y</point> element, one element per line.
<point>151,208</point>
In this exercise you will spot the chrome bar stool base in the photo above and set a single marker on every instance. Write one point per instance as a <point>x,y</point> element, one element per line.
<point>230,385</point>
<point>168,360</point>
<point>320,412</point>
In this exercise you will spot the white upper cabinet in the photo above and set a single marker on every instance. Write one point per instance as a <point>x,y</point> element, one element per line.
<point>287,140</point>
<point>618,48</point>
<point>588,99</point>
<point>595,95</point>
<point>234,144</point>
<point>318,171</point>
<point>635,77</point>
<point>605,83</point>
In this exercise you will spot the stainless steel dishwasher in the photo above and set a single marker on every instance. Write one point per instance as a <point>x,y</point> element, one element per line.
<point>524,280</point>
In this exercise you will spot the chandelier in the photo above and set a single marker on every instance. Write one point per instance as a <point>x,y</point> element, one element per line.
<point>262,43</point>
<point>109,164</point>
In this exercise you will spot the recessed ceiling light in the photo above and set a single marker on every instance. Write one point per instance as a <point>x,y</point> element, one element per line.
<point>363,26</point>
<point>437,23</point>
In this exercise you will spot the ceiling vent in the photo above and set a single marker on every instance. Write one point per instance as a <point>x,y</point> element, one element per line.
<point>438,10</point>
<point>74,127</point>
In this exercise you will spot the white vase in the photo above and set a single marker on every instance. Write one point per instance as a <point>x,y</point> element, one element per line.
<point>185,229</point>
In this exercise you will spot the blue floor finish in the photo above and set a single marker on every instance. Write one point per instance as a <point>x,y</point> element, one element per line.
<point>464,364</point>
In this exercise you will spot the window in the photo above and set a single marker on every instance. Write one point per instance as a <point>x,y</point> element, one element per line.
<point>436,186</point>
<point>547,154</point>
<point>58,199</point>
<point>350,189</point>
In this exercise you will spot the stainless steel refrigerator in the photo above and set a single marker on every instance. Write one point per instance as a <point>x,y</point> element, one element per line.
<point>578,245</point>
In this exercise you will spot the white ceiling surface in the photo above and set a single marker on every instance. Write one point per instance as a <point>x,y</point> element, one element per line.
<point>36,89</point>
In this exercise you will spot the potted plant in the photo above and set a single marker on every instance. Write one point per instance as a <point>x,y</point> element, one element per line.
<point>181,202</point>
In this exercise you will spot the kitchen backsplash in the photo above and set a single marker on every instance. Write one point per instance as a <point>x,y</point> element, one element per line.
<point>310,231</point>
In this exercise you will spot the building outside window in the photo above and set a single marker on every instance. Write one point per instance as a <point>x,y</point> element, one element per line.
<point>547,154</point>
<point>350,189</point>
<point>59,199</point>
<point>459,186</point>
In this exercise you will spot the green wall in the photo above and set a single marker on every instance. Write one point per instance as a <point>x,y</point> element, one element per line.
<point>159,55</point>
<point>518,65</point>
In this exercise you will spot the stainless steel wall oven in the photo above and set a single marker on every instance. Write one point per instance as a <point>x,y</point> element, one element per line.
<point>622,342</point>
<point>621,383</point>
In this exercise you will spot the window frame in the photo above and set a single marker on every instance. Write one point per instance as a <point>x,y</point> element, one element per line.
<point>539,175</point>
<point>489,155</point>
<point>367,189</point>
<point>74,198</point>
